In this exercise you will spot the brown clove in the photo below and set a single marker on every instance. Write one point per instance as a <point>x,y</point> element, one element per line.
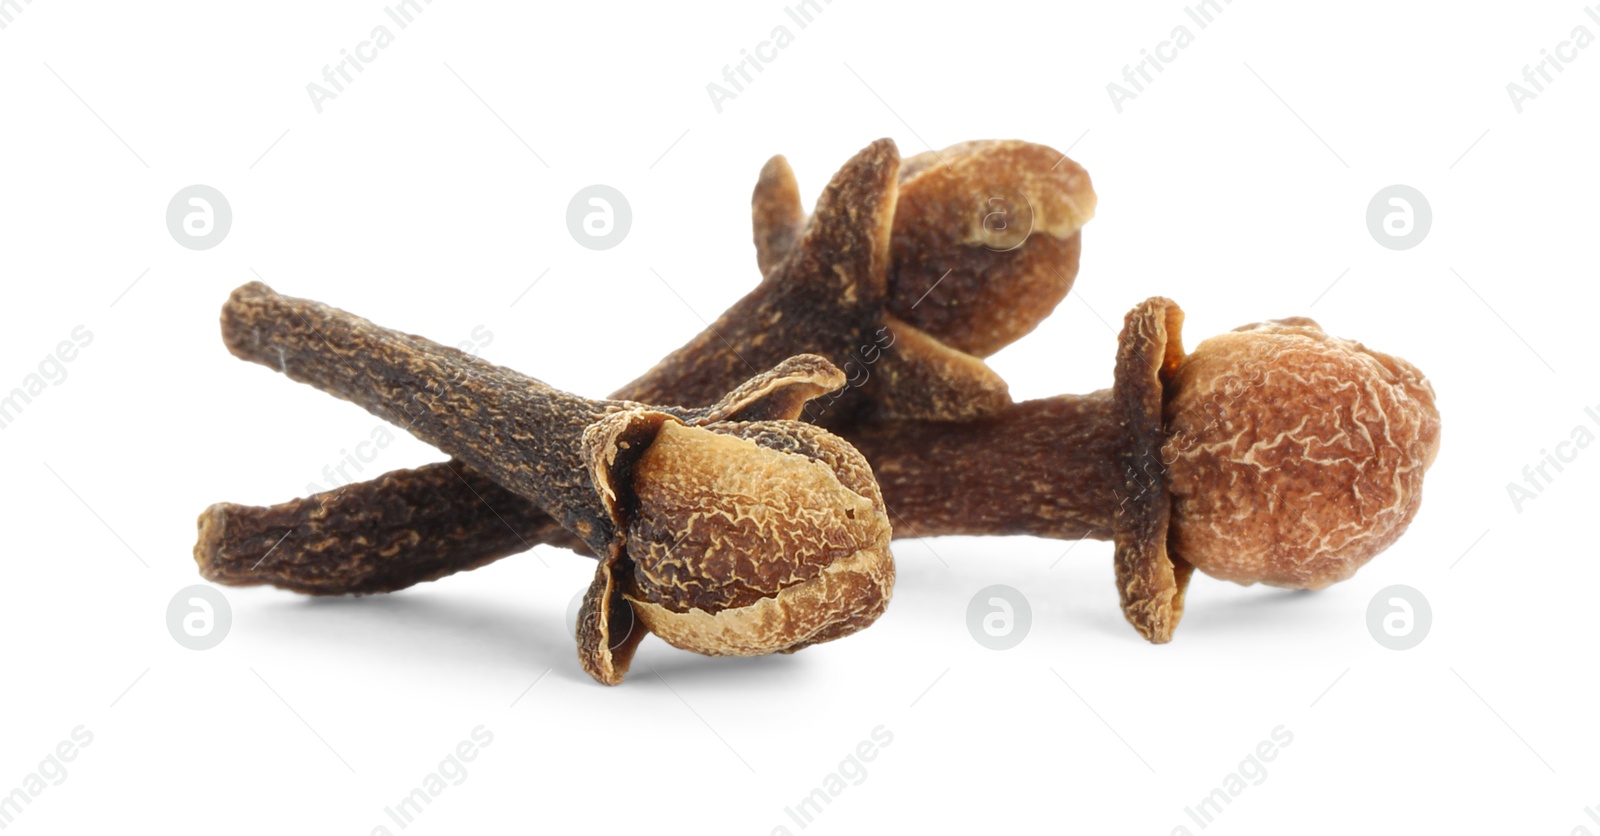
<point>825,288</point>
<point>1273,454</point>
<point>678,504</point>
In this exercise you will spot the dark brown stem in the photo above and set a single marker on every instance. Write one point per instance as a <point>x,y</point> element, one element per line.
<point>1047,468</point>
<point>516,430</point>
<point>412,525</point>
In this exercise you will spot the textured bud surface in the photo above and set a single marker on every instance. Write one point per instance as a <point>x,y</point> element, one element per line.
<point>1294,456</point>
<point>756,538</point>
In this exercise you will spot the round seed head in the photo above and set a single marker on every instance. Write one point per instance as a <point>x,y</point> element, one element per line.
<point>986,240</point>
<point>1294,456</point>
<point>755,538</point>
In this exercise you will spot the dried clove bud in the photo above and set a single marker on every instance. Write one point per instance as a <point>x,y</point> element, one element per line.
<point>417,525</point>
<point>830,290</point>
<point>1274,454</point>
<point>1000,221</point>
<point>684,507</point>
<point>1294,457</point>
<point>985,242</point>
<point>717,571</point>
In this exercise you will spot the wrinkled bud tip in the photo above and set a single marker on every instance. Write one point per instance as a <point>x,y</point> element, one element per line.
<point>1295,456</point>
<point>755,538</point>
<point>986,240</point>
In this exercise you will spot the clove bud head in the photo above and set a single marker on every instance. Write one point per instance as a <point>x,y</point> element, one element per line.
<point>740,538</point>
<point>1294,456</point>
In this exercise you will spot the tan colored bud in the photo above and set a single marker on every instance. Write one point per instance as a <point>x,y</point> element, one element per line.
<point>741,547</point>
<point>1295,456</point>
<point>741,539</point>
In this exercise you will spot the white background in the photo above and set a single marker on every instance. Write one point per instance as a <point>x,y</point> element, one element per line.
<point>420,205</point>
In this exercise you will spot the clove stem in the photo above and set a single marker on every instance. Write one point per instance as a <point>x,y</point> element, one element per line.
<point>401,529</point>
<point>518,431</point>
<point>1046,467</point>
